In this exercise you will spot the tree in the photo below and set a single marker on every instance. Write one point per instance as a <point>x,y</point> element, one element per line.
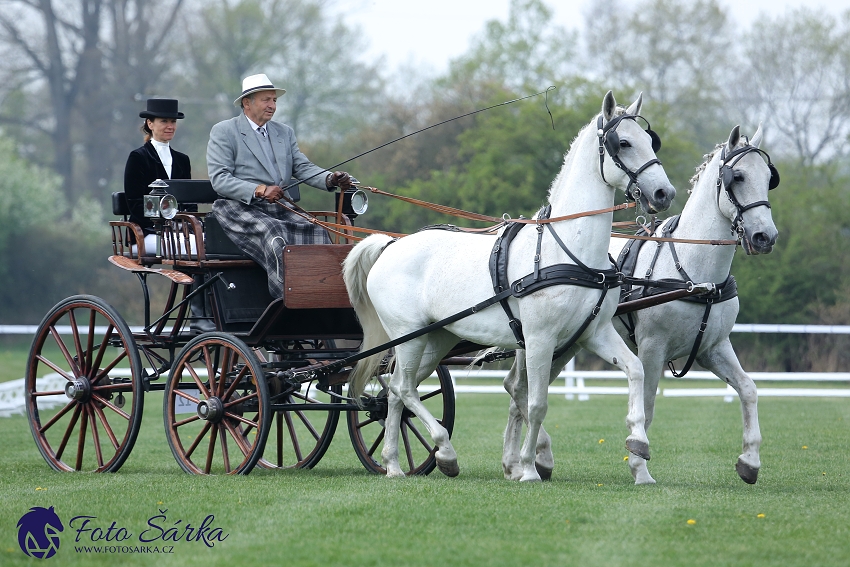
<point>797,79</point>
<point>87,58</point>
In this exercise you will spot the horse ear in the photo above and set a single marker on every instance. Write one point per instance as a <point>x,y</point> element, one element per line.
<point>757,137</point>
<point>635,107</point>
<point>734,138</point>
<point>609,106</point>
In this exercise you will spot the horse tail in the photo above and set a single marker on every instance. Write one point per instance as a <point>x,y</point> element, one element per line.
<point>355,271</point>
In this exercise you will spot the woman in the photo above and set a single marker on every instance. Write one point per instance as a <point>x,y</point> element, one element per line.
<point>154,160</point>
<point>157,160</point>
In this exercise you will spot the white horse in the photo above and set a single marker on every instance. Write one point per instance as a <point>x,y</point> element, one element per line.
<point>668,331</point>
<point>417,280</point>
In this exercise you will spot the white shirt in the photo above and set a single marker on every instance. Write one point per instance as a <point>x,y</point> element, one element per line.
<point>163,150</point>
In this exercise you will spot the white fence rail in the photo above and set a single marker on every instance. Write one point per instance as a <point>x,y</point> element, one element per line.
<point>11,393</point>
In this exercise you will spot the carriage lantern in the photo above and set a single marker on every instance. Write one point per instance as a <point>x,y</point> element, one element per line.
<point>158,203</point>
<point>354,202</point>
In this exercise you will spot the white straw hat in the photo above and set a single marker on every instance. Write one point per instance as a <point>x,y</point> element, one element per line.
<point>256,83</point>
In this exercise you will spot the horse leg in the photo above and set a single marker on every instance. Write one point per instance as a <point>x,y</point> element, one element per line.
<point>413,364</point>
<point>516,384</point>
<point>653,368</point>
<point>608,345</point>
<point>723,362</point>
<point>538,370</point>
<point>392,426</point>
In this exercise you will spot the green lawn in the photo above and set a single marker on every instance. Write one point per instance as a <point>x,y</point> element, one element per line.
<point>589,514</point>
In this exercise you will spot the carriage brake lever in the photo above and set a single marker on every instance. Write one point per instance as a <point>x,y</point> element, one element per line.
<point>229,286</point>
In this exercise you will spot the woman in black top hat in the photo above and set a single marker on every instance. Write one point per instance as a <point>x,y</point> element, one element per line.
<point>155,159</point>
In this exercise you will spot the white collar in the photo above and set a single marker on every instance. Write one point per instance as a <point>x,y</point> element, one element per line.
<point>159,145</point>
<point>254,125</point>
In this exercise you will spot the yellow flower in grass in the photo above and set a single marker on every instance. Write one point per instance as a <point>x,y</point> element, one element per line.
<point>626,458</point>
<point>601,441</point>
<point>692,522</point>
<point>805,446</point>
<point>760,516</point>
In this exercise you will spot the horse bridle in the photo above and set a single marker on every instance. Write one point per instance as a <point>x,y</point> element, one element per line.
<point>726,178</point>
<point>609,141</point>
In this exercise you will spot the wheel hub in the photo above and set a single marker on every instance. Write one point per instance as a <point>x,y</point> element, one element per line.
<point>78,389</point>
<point>211,409</point>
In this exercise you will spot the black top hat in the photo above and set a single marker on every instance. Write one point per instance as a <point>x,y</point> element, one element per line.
<point>161,108</point>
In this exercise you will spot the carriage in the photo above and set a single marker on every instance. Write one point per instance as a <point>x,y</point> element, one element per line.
<point>232,398</point>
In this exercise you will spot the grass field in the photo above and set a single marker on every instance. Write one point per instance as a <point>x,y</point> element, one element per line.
<point>589,514</point>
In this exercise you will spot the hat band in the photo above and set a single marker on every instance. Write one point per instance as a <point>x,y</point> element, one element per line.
<point>259,87</point>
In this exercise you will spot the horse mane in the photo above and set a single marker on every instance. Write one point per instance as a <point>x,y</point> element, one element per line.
<point>568,155</point>
<point>701,168</point>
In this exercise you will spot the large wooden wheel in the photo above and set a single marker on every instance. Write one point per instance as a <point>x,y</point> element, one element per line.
<point>84,395</point>
<point>416,452</point>
<point>216,406</point>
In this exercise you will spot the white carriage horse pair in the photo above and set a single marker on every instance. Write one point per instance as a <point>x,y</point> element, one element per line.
<point>430,275</point>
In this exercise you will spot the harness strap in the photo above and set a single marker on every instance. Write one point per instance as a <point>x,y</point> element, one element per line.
<point>695,348</point>
<point>499,275</point>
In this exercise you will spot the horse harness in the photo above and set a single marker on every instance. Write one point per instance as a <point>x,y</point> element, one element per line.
<point>726,178</point>
<point>627,262</point>
<point>609,140</point>
<point>558,274</point>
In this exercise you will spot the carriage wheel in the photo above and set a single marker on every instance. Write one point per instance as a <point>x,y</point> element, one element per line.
<point>300,437</point>
<point>84,395</point>
<point>216,406</point>
<point>416,451</point>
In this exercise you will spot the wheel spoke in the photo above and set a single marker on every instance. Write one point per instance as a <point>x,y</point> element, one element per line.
<point>279,427</point>
<point>69,430</point>
<point>197,440</point>
<point>210,369</point>
<point>377,442</point>
<point>361,424</point>
<point>211,450</point>
<point>48,393</point>
<point>308,425</point>
<point>186,396</point>
<point>418,435</point>
<point>240,418</point>
<point>90,345</point>
<point>108,404</point>
<point>407,449</point>
<point>226,365</point>
<point>223,438</point>
<point>198,382</point>
<point>235,384</point>
<point>102,417</point>
<point>110,366</point>
<point>58,370</point>
<point>292,435</point>
<point>81,441</point>
<point>429,395</point>
<point>58,416</point>
<point>239,400</point>
<point>95,436</point>
<point>187,420</point>
<point>101,351</point>
<point>68,358</point>
<point>75,332</point>
<point>240,440</point>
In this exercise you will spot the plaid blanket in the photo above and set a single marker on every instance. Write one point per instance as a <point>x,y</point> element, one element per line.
<point>262,229</point>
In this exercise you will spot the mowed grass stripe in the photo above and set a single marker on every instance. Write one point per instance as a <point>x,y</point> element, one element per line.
<point>590,514</point>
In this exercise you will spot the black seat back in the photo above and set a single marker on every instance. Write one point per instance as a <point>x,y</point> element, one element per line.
<point>119,204</point>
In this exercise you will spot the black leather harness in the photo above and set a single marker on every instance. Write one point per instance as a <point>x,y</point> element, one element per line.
<point>643,287</point>
<point>559,274</point>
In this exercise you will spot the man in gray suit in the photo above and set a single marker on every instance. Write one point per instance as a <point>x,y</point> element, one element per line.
<point>250,158</point>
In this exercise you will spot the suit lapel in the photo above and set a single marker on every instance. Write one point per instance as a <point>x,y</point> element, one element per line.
<point>280,148</point>
<point>250,139</point>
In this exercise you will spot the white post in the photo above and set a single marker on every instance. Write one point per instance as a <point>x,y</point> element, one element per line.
<point>570,382</point>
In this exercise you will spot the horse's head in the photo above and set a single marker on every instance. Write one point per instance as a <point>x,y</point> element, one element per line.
<point>746,174</point>
<point>632,165</point>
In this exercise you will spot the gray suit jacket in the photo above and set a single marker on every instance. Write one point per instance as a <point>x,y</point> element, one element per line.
<point>236,162</point>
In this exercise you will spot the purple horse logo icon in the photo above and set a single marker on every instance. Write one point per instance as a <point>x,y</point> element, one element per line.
<point>38,532</point>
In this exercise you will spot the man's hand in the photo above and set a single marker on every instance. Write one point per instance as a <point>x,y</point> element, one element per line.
<point>272,193</point>
<point>339,179</point>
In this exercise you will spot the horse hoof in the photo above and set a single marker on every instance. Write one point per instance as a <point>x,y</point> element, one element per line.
<point>747,473</point>
<point>544,471</point>
<point>530,478</point>
<point>639,448</point>
<point>448,468</point>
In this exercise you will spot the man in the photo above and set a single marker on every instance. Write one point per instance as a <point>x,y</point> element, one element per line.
<point>250,158</point>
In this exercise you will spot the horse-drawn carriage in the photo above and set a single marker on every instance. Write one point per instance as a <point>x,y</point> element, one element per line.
<point>231,400</point>
<point>276,367</point>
